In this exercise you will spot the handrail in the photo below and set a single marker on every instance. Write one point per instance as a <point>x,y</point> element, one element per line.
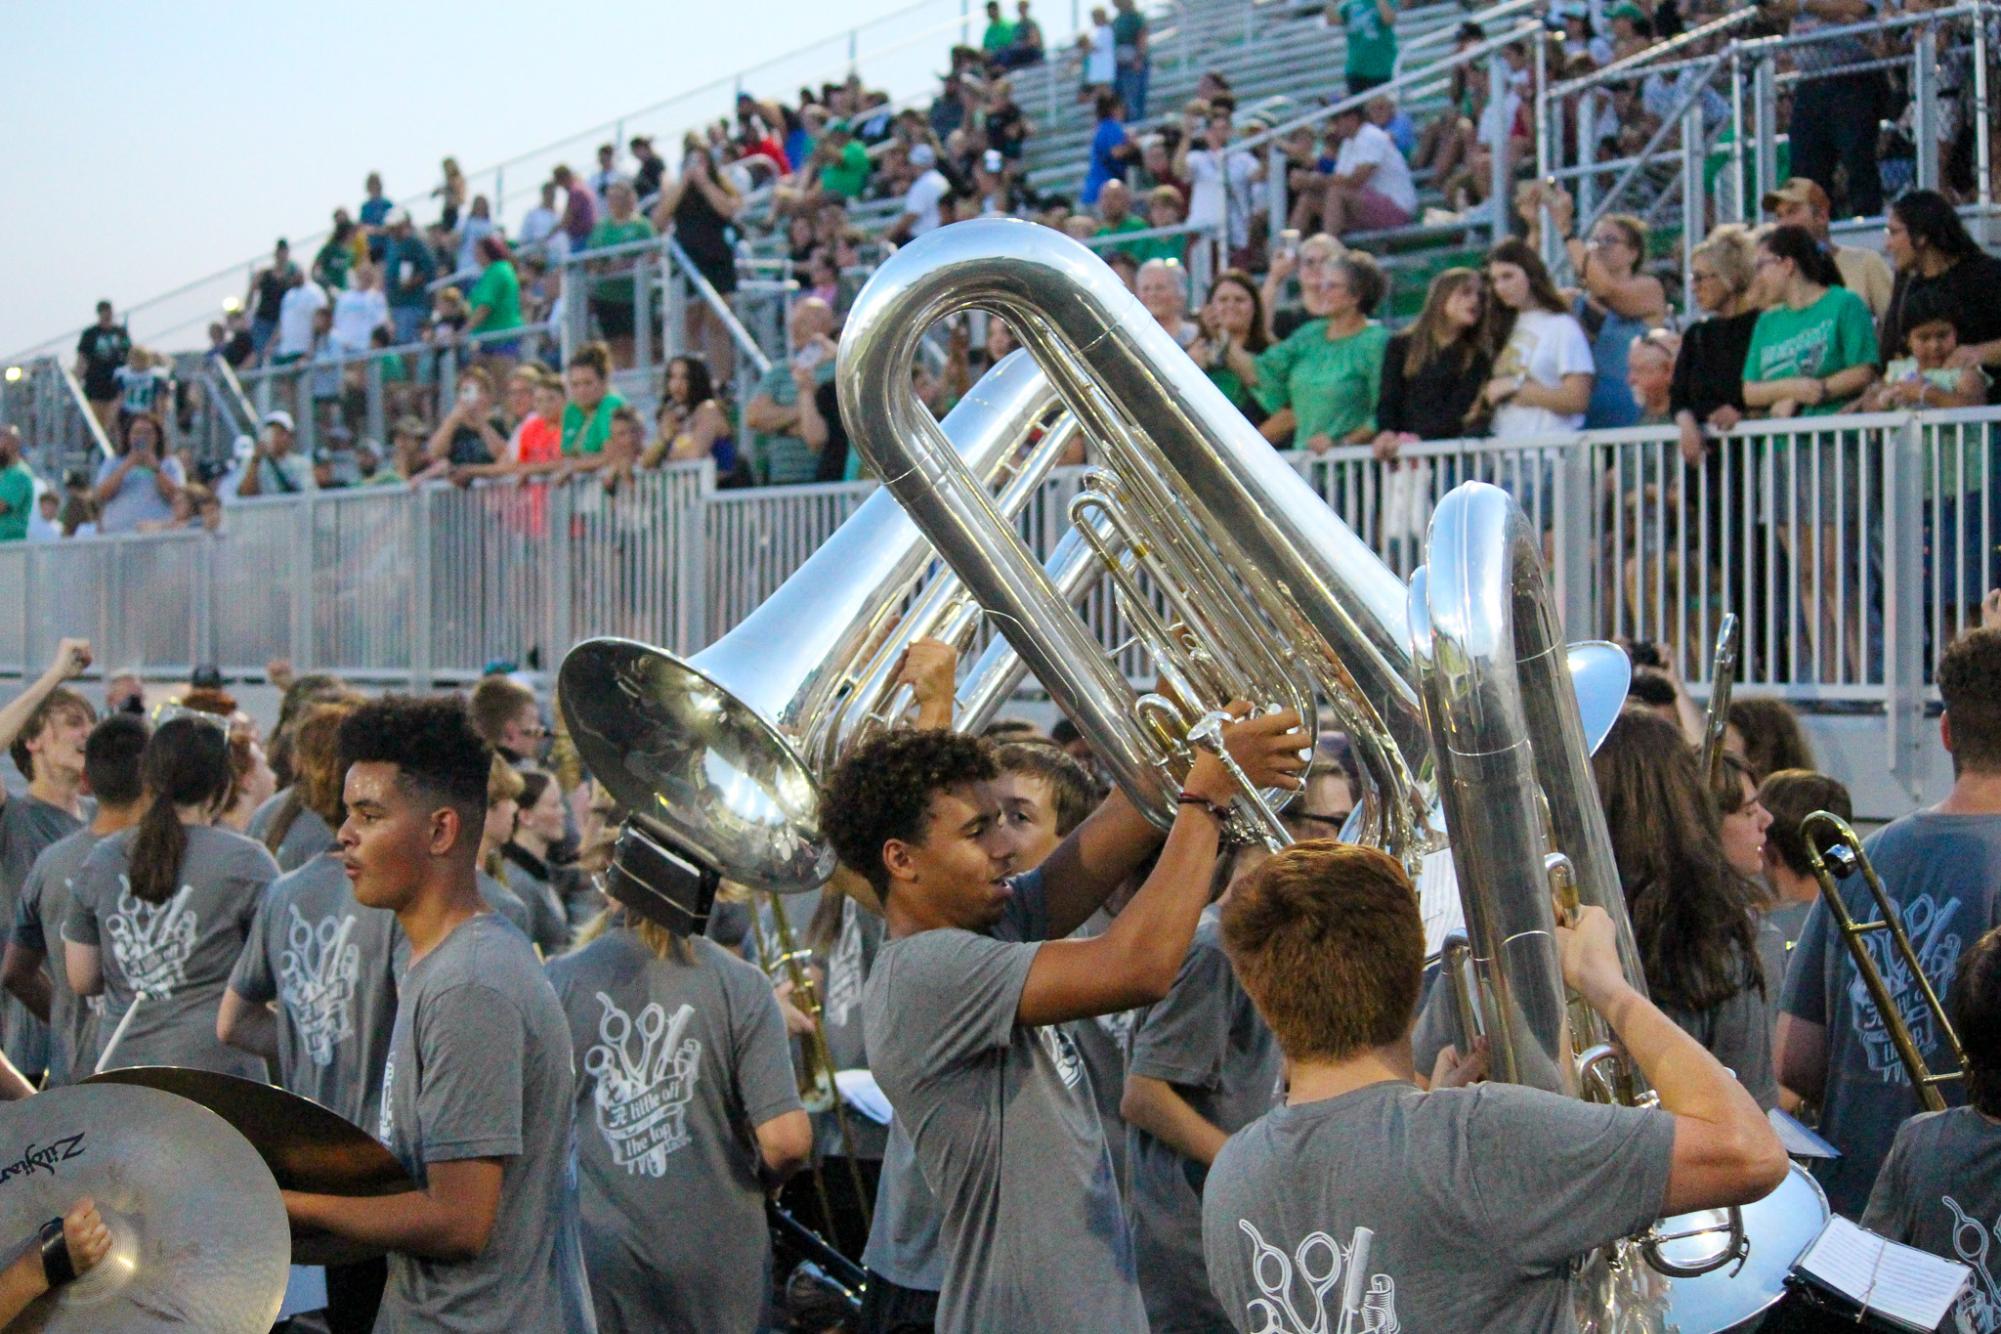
<point>1445,32</point>
<point>82,404</point>
<point>1491,46</point>
<point>746,345</point>
<point>220,371</point>
<point>1651,56</point>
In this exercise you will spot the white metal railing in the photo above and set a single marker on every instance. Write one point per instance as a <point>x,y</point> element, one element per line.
<point>1852,547</point>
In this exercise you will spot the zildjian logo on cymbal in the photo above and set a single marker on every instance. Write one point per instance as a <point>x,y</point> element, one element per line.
<point>69,1146</point>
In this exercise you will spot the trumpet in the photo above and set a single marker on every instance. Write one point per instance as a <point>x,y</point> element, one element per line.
<point>1842,855</point>
<point>1716,717</point>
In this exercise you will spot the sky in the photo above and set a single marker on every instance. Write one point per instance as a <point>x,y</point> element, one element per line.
<point>150,144</point>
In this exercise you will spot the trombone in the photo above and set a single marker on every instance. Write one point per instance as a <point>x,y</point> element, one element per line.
<point>1842,855</point>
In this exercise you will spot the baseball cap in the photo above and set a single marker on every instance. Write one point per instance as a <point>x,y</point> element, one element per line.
<point>1626,11</point>
<point>923,156</point>
<point>279,417</point>
<point>1798,190</point>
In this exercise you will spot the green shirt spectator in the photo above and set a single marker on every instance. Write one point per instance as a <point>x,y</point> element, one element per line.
<point>847,175</point>
<point>1831,335</point>
<point>1139,250</point>
<point>331,265</point>
<point>785,460</point>
<point>17,500</point>
<point>584,436</point>
<point>1372,42</point>
<point>1330,386</point>
<point>615,232</point>
<point>999,35</point>
<point>499,290</point>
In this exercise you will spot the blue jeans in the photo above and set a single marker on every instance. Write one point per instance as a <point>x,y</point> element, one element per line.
<point>260,333</point>
<point>1130,85</point>
<point>409,322</point>
<point>1834,120</point>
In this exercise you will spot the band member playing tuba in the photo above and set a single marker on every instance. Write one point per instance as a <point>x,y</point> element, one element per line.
<point>964,1005</point>
<point>1365,1203</point>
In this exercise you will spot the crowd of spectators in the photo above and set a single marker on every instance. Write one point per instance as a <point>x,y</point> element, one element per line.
<point>1290,326</point>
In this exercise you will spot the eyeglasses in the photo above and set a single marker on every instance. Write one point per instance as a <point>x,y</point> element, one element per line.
<point>1605,242</point>
<point>1701,277</point>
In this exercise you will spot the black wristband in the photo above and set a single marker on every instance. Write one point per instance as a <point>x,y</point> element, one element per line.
<point>1192,799</point>
<point>57,1267</point>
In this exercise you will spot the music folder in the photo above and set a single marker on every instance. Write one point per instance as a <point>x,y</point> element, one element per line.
<point>1880,1281</point>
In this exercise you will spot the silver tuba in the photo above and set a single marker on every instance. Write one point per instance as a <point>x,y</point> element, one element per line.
<point>718,757</point>
<point>1283,602</point>
<point>1527,829</point>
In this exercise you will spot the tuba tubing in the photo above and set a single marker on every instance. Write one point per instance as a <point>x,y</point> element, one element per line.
<point>1136,394</point>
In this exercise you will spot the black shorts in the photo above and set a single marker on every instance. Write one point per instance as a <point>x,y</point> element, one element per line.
<point>615,318</point>
<point>889,1309</point>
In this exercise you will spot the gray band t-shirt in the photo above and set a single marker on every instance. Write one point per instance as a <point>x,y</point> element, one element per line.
<point>1205,1038</point>
<point>28,825</point>
<point>680,1062</point>
<point>1464,1207</point>
<point>1102,1041</point>
<point>178,953</point>
<point>903,1242</point>
<point>331,965</point>
<point>1738,1032</point>
<point>1005,1130</point>
<point>306,837</point>
<point>847,966</point>
<point>1944,871</point>
<point>507,905</point>
<point>1940,1189</point>
<point>38,924</point>
<point>479,1067</point>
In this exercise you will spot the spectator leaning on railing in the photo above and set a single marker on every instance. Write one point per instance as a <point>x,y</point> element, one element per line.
<point>779,454</point>
<point>141,483</point>
<point>275,467</point>
<point>1329,372</point>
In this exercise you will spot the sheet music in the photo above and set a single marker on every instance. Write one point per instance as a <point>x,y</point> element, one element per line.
<point>1800,1142</point>
<point>859,1091</point>
<point>1903,1283</point>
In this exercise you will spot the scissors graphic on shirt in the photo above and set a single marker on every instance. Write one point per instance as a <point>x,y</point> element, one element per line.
<point>612,1060</point>
<point>1373,1312</point>
<point>1978,1312</point>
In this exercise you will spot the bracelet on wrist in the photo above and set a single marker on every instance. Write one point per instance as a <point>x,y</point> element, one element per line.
<point>1186,798</point>
<point>57,1267</point>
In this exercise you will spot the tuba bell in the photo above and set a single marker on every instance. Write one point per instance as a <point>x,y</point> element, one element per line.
<point>718,757</point>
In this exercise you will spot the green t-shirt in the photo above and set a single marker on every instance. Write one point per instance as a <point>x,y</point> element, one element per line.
<point>610,232</point>
<point>999,36</point>
<point>334,260</point>
<point>1232,385</point>
<point>1831,335</point>
<point>1126,28</point>
<point>580,437</point>
<point>1330,387</point>
<point>499,290</point>
<point>1156,247</point>
<point>17,493</point>
<point>786,460</point>
<point>1372,43</point>
<point>847,175</point>
<point>1129,223</point>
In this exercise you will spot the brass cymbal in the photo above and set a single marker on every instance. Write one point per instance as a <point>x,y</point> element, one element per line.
<point>307,1146</point>
<point>197,1225</point>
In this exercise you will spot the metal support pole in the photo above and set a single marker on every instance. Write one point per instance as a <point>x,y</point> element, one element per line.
<point>301,646</point>
<point>1924,105</point>
<point>448,379</point>
<point>1903,464</point>
<point>1500,205</point>
<point>1587,150</point>
<point>1275,164</point>
<point>1735,166</point>
<point>1983,124</point>
<point>302,411</point>
<point>1694,207</point>
<point>642,311</point>
<point>676,297</point>
<point>375,416</point>
<point>1765,96</point>
<point>420,585</point>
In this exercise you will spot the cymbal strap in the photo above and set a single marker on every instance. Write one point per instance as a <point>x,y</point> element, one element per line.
<point>57,1266</point>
